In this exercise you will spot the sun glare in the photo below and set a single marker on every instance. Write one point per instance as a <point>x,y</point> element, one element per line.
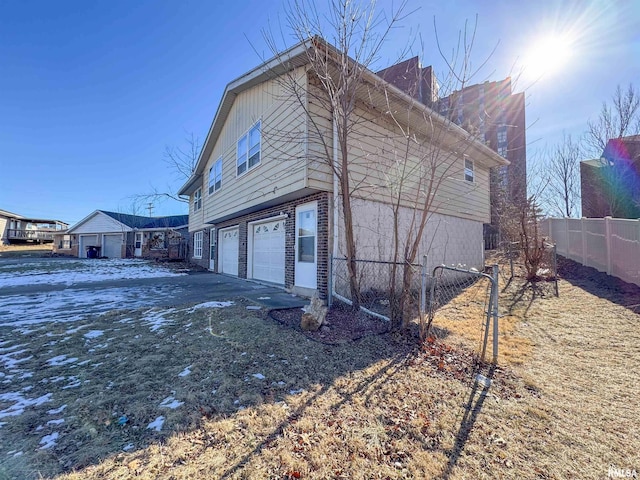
<point>547,56</point>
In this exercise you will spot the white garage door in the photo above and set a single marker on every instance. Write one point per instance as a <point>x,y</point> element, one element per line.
<point>268,251</point>
<point>112,246</point>
<point>228,243</point>
<point>83,242</point>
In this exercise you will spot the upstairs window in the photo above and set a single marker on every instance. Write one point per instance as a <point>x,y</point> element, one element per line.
<point>248,153</point>
<point>469,172</point>
<point>197,200</point>
<point>215,176</point>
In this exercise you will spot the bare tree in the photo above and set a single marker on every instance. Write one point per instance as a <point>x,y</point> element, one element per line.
<point>181,162</point>
<point>562,171</point>
<point>357,34</point>
<point>616,120</point>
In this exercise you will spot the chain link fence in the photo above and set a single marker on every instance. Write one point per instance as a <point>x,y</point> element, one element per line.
<point>467,298</point>
<point>377,293</point>
<point>429,301</point>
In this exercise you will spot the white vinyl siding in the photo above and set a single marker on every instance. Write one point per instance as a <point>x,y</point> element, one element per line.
<point>282,166</point>
<point>377,159</point>
<point>197,245</point>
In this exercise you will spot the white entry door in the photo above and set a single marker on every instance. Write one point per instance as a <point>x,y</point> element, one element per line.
<point>267,251</point>
<point>138,245</point>
<point>307,245</point>
<point>229,248</point>
<point>212,250</point>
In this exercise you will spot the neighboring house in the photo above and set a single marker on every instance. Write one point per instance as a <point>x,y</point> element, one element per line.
<point>262,198</point>
<point>16,228</point>
<point>119,235</point>
<point>610,185</point>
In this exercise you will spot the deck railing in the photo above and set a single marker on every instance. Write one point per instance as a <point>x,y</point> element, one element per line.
<point>13,234</point>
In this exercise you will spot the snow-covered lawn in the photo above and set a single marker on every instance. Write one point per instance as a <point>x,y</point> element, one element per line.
<point>74,272</point>
<point>79,292</point>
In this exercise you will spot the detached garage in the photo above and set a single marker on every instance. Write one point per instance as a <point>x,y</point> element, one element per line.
<point>118,235</point>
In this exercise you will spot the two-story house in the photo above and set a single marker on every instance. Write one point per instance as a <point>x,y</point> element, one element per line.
<point>264,198</point>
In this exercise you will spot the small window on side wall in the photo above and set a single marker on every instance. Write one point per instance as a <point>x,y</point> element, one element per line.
<point>469,171</point>
<point>197,200</point>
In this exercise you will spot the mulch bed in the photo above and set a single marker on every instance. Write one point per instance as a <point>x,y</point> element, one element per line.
<point>341,325</point>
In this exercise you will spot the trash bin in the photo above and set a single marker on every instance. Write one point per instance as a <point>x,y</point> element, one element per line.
<point>92,252</point>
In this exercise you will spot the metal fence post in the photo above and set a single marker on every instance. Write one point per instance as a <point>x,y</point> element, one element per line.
<point>495,312</point>
<point>423,287</point>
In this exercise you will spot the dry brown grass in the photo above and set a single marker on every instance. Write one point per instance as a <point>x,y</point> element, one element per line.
<point>563,406</point>
<point>27,250</point>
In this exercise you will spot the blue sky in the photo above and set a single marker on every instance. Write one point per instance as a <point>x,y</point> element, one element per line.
<point>91,93</point>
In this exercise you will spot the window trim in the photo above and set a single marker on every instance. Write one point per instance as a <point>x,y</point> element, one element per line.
<point>213,174</point>
<point>246,137</point>
<point>198,238</point>
<point>197,200</point>
<point>469,177</point>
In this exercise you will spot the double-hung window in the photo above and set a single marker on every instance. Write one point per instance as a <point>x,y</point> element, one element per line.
<point>197,200</point>
<point>469,172</point>
<point>215,176</point>
<point>248,152</point>
<point>197,245</point>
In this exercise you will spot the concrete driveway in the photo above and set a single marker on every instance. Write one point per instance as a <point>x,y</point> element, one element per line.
<point>35,290</point>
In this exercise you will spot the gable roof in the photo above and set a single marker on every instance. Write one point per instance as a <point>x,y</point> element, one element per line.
<point>297,56</point>
<point>138,222</point>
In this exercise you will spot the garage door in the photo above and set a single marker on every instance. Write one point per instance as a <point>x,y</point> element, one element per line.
<point>112,246</point>
<point>268,251</point>
<point>83,242</point>
<point>228,243</point>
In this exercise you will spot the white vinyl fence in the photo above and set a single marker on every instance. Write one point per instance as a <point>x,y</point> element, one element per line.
<point>610,245</point>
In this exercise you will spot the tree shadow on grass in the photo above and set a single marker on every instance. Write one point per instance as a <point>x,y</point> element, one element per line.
<point>472,409</point>
<point>600,284</point>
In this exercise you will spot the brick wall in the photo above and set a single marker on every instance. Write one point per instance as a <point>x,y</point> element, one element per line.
<point>288,208</point>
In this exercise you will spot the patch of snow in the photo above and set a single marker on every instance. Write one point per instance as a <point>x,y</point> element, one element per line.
<point>171,403</point>
<point>26,375</point>
<point>185,372</point>
<point>82,272</point>
<point>156,318</point>
<point>128,446</point>
<point>209,305</point>
<point>253,307</point>
<point>264,298</point>
<point>12,347</point>
<point>296,392</point>
<point>55,411</point>
<point>75,330</point>
<point>259,376</point>
<point>93,334</point>
<point>156,424</point>
<point>74,383</point>
<point>18,454</point>
<point>55,422</point>
<point>10,362</point>
<point>20,403</point>
<point>61,360</point>
<point>49,441</point>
